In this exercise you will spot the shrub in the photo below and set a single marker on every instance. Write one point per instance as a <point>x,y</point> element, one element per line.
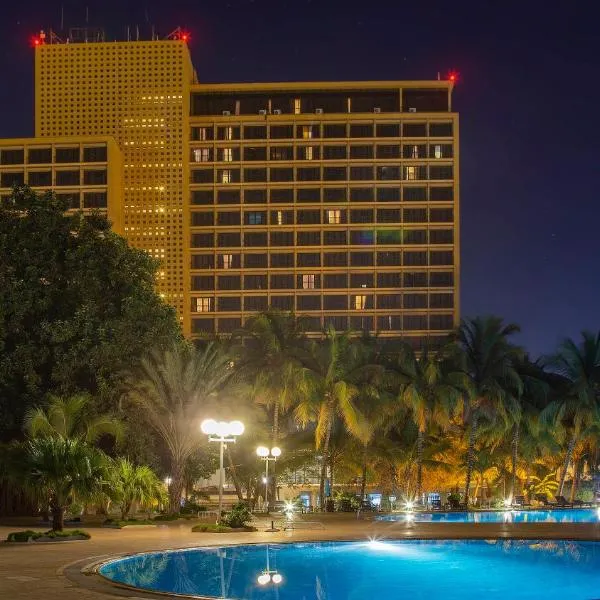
<point>25,536</point>
<point>239,516</point>
<point>20,536</point>
<point>211,527</point>
<point>346,502</point>
<point>454,500</point>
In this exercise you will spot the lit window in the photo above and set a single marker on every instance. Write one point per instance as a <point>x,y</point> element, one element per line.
<point>334,216</point>
<point>227,260</point>
<point>227,154</point>
<point>308,282</point>
<point>202,133</point>
<point>279,217</point>
<point>255,218</point>
<point>437,151</point>
<point>308,153</point>
<point>228,133</point>
<point>202,154</point>
<point>203,304</point>
<point>307,132</point>
<point>411,173</point>
<point>297,106</point>
<point>226,176</point>
<point>414,152</point>
<point>360,302</point>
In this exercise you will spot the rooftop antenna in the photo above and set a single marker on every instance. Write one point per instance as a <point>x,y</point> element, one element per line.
<point>137,33</point>
<point>62,17</point>
<point>128,34</point>
<point>438,75</point>
<point>87,15</point>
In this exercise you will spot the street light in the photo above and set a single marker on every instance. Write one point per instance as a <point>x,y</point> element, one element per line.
<point>222,432</point>
<point>267,455</point>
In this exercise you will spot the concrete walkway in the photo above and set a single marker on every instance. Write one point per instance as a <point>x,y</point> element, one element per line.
<point>52,571</point>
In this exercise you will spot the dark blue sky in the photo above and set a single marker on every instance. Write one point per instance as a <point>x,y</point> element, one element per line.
<point>528,96</point>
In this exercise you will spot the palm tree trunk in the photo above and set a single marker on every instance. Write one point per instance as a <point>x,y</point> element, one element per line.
<point>234,477</point>
<point>420,441</point>
<point>515,453</point>
<point>568,457</point>
<point>470,459</point>
<point>363,483</point>
<point>575,483</point>
<point>58,518</point>
<point>273,473</point>
<point>176,487</point>
<point>324,463</point>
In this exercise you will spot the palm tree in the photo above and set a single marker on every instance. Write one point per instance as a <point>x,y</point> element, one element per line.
<point>430,388</point>
<point>490,362</point>
<point>575,407</point>
<point>177,388</point>
<point>70,418</point>
<point>333,368</point>
<point>60,471</point>
<point>134,484</point>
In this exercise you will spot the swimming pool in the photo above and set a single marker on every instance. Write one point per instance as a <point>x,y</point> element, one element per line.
<point>569,515</point>
<point>419,570</point>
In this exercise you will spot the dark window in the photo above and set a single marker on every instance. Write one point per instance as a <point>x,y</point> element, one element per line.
<point>92,154</point>
<point>388,150</point>
<point>363,130</point>
<point>255,153</point>
<point>282,282</point>
<point>40,156</point>
<point>441,322</point>
<point>339,323</point>
<point>415,300</point>
<point>202,197</point>
<point>415,236</point>
<point>282,196</point>
<point>203,261</point>
<point>389,280</point>
<point>255,196</point>
<point>362,238</point>
<point>388,130</point>
<point>66,155</point>
<point>282,238</point>
<point>40,178</point>
<point>202,176</point>
<point>389,323</point>
<point>361,259</point>
<point>388,259</point>
<point>389,301</point>
<point>415,194</point>
<point>426,100</point>
<point>361,280</point>
<point>255,261</point>
<point>415,322</point>
<point>255,175</point>
<point>334,173</point>
<point>282,132</point>
<point>282,261</point>
<point>334,238</point>
<point>415,279</point>
<point>256,303</point>
<point>437,172</point>
<point>334,195</point>
<point>361,215</point>
<point>308,173</point>
<point>414,130</point>
<point>415,258</point>
<point>361,323</point>
<point>94,177</point>
<point>203,240</point>
<point>282,153</point>
<point>361,173</point>
<point>203,326</point>
<point>228,218</point>
<point>282,302</point>
<point>94,200</point>
<point>388,194</point>
<point>308,217</point>
<point>335,302</point>
<point>282,217</point>
<point>308,238</point>
<point>309,259</point>
<point>255,282</point>
<point>202,134</point>
<point>202,218</point>
<point>389,236</point>
<point>334,152</point>
<point>255,132</point>
<point>312,323</point>
<point>440,129</point>
<point>335,280</point>
<point>335,259</point>
<point>255,239</point>
<point>203,282</point>
<point>415,215</point>
<point>229,240</point>
<point>441,279</point>
<point>388,173</point>
<point>227,132</point>
<point>441,194</point>
<point>362,194</point>
<point>308,195</point>
<point>278,174</point>
<point>229,303</point>
<point>441,215</point>
<point>308,303</point>
<point>228,196</point>
<point>229,282</point>
<point>334,130</point>
<point>441,300</point>
<point>361,151</point>
<point>388,215</point>
<point>67,177</point>
<point>255,217</point>
<point>229,325</point>
<point>441,236</point>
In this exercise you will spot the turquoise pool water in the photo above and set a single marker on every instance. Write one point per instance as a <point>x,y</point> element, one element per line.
<point>568,515</point>
<point>415,570</point>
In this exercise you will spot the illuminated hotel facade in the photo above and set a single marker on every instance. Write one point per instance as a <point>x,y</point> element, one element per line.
<point>338,201</point>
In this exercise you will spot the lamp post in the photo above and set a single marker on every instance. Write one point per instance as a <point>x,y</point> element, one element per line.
<point>222,432</point>
<point>268,455</point>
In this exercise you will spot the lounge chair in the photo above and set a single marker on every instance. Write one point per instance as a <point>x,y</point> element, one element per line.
<point>520,502</point>
<point>562,502</point>
<point>543,498</point>
<point>582,504</point>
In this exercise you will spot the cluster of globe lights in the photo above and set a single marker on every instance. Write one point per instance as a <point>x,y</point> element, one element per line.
<point>265,578</point>
<point>222,429</point>
<point>263,451</point>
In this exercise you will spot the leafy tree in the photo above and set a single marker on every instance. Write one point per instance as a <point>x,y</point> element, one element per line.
<point>177,389</point>
<point>77,305</point>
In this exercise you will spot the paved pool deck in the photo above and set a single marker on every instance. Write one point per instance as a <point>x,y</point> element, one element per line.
<point>52,571</point>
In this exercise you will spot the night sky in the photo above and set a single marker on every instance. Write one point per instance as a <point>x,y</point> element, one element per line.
<point>528,97</point>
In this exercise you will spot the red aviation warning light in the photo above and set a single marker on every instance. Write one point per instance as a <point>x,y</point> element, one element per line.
<point>453,76</point>
<point>185,36</point>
